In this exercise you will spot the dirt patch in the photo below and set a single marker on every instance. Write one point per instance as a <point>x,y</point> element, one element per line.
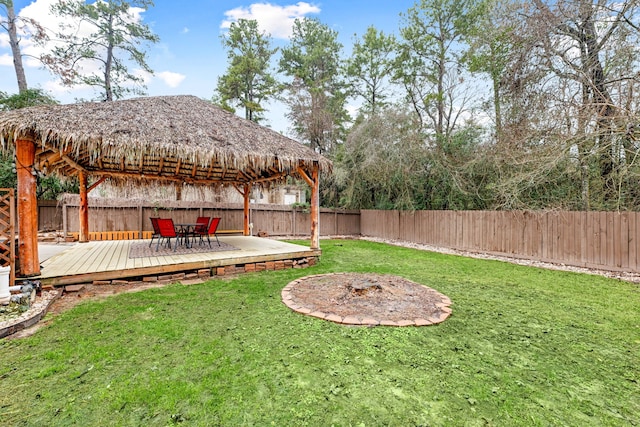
<point>366,299</point>
<point>81,293</point>
<point>87,292</point>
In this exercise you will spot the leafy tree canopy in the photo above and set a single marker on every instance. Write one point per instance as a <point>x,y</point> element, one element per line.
<point>248,82</point>
<point>98,43</point>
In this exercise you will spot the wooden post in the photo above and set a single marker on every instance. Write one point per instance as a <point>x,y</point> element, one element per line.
<point>314,183</point>
<point>246,194</point>
<point>140,221</point>
<point>293,221</point>
<point>315,209</point>
<point>65,226</point>
<point>27,208</point>
<point>84,208</point>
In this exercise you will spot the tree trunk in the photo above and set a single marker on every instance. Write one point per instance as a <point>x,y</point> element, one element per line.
<point>602,103</point>
<point>15,48</point>
<point>108,64</point>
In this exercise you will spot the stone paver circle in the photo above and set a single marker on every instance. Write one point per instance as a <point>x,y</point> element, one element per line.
<point>367,299</point>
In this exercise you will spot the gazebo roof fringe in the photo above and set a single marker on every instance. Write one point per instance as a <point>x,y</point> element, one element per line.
<point>182,127</point>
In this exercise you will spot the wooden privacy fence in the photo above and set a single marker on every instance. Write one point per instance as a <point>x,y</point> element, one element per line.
<point>114,220</point>
<point>49,215</point>
<point>605,240</point>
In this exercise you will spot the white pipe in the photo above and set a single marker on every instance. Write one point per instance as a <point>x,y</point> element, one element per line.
<point>5,294</point>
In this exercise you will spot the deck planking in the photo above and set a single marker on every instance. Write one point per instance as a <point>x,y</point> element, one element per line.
<point>109,260</point>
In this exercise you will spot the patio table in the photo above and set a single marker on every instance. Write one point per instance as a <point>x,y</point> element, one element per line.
<point>186,229</point>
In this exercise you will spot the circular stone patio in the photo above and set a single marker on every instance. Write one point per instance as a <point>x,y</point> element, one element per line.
<point>366,299</point>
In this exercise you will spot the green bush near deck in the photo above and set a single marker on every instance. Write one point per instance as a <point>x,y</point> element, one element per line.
<point>523,347</point>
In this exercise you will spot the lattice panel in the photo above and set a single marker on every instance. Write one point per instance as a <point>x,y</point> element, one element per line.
<point>8,230</point>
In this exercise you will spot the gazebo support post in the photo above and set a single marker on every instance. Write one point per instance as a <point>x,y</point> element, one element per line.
<point>314,183</point>
<point>245,195</point>
<point>27,208</point>
<point>84,208</point>
<point>315,209</point>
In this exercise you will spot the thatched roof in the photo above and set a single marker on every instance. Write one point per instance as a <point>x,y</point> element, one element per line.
<point>165,138</point>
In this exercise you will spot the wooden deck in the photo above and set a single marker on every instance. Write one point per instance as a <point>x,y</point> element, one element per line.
<point>109,260</point>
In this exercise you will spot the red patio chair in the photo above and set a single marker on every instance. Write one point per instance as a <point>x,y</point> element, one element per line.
<point>156,230</point>
<point>167,230</point>
<point>213,226</point>
<point>202,224</point>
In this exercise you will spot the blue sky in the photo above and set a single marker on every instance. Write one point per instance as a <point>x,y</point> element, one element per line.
<point>189,57</point>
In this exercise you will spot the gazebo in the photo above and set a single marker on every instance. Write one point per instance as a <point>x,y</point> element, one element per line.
<point>142,141</point>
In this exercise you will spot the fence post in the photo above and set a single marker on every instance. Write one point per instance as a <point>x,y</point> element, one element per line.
<point>293,226</point>
<point>140,219</point>
<point>65,227</point>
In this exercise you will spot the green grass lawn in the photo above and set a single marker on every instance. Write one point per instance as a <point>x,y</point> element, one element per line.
<point>523,347</point>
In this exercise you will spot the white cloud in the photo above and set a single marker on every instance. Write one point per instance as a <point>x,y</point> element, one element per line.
<point>6,59</point>
<point>142,74</point>
<point>68,94</point>
<point>185,30</point>
<point>273,19</point>
<point>171,79</point>
<point>56,87</point>
<point>353,110</point>
<point>40,10</point>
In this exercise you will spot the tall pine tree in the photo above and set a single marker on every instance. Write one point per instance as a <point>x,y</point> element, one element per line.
<point>248,82</point>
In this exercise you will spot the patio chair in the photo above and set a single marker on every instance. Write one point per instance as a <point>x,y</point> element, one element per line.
<point>202,224</point>
<point>213,226</point>
<point>167,231</point>
<point>156,230</point>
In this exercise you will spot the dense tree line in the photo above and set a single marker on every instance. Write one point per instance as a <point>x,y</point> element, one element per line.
<point>472,104</point>
<point>475,104</point>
